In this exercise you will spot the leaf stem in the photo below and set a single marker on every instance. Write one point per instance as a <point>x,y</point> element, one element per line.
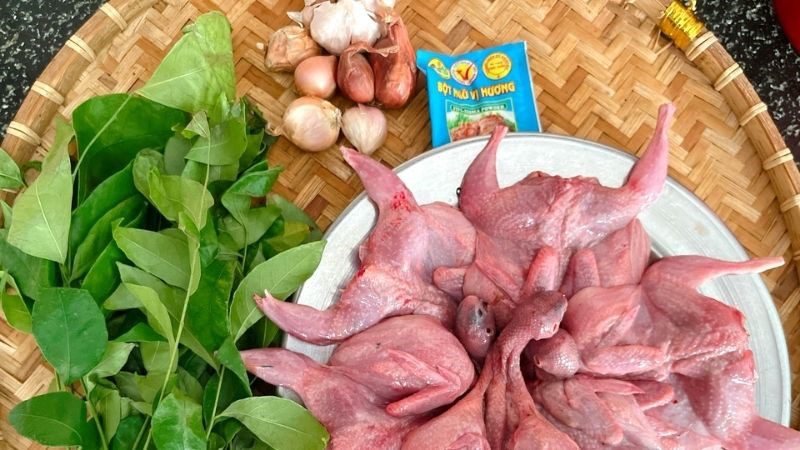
<point>58,382</point>
<point>216,403</point>
<point>195,253</point>
<point>65,272</point>
<point>139,436</point>
<point>95,417</point>
<point>244,257</point>
<point>174,350</point>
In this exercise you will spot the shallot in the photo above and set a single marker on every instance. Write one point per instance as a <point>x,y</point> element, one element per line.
<point>365,127</point>
<point>316,76</point>
<point>288,47</point>
<point>395,73</point>
<point>311,123</point>
<point>354,74</point>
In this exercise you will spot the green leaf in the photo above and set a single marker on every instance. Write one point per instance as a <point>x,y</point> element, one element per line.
<point>31,273</point>
<point>155,356</point>
<point>197,73</point>
<point>112,129</point>
<point>42,212</point>
<point>146,408</point>
<point>230,390</point>
<point>70,330</point>
<point>258,220</point>
<point>229,357</point>
<point>294,234</point>
<point>208,306</point>
<point>114,358</point>
<point>171,297</point>
<point>127,433</point>
<point>7,214</point>
<point>281,276</point>
<point>189,384</point>
<point>162,255</point>
<point>216,442</point>
<point>15,309</point>
<point>197,172</point>
<point>103,276</point>
<point>141,332</point>
<point>175,154</point>
<point>292,213</point>
<point>98,238</point>
<point>178,424</point>
<point>146,162</point>
<point>254,148</point>
<point>121,300</point>
<point>56,418</point>
<point>198,126</point>
<point>209,243</point>
<point>140,388</point>
<point>257,141</point>
<point>254,184</point>
<point>237,200</point>
<point>191,234</point>
<point>10,177</point>
<point>157,315</point>
<point>279,422</point>
<point>228,429</point>
<point>108,404</point>
<point>106,196</point>
<point>260,335</point>
<point>231,235</point>
<point>245,440</point>
<point>225,144</point>
<point>172,194</point>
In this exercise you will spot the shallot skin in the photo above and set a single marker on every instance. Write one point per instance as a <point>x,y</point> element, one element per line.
<point>354,76</point>
<point>316,76</point>
<point>312,124</point>
<point>395,73</point>
<point>288,47</point>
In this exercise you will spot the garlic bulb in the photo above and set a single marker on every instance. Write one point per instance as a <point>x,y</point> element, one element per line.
<point>336,25</point>
<point>311,123</point>
<point>363,26</point>
<point>330,28</point>
<point>304,17</point>
<point>365,127</point>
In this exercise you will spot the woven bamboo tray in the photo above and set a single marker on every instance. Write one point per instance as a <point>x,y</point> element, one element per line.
<point>600,70</point>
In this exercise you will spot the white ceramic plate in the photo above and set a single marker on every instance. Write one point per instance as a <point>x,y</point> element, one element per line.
<point>678,223</point>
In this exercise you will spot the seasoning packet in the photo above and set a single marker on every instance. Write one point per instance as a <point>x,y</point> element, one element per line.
<point>470,94</point>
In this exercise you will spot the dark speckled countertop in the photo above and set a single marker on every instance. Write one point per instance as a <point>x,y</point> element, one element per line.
<point>32,31</point>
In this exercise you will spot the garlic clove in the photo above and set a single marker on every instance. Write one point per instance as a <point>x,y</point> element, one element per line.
<point>365,127</point>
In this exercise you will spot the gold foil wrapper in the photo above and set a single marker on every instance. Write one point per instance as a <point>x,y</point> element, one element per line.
<point>680,23</point>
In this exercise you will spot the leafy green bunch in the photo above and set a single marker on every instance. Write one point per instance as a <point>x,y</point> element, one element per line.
<point>134,267</point>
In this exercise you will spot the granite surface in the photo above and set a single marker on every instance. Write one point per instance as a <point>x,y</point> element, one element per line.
<point>32,31</point>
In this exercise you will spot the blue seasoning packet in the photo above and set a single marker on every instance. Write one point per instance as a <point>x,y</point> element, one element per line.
<point>470,94</point>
